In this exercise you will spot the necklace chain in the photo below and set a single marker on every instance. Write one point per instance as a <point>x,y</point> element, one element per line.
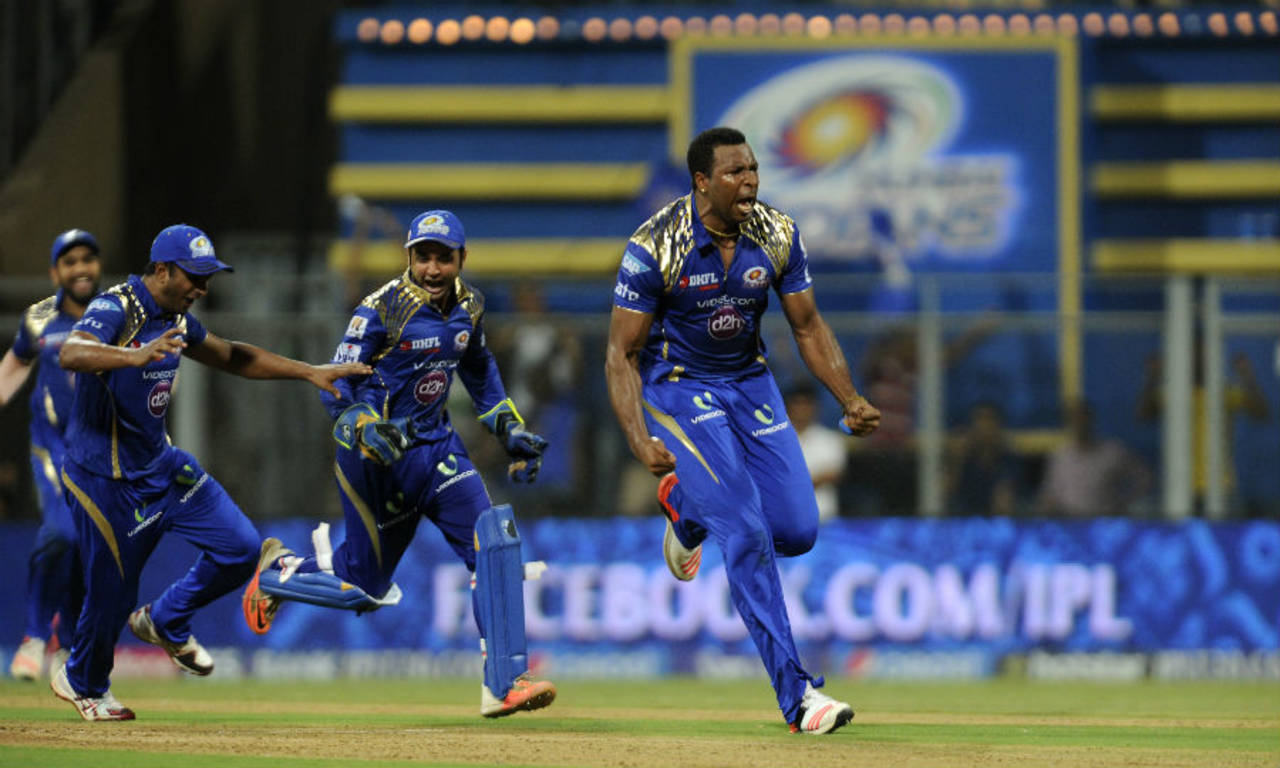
<point>718,233</point>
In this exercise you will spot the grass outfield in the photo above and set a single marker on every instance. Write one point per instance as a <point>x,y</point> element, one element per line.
<point>379,724</point>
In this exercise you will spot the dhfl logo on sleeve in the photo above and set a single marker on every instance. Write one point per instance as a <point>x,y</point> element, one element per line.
<point>347,353</point>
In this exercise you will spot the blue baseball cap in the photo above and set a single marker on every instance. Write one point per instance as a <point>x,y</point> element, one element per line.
<point>189,248</point>
<point>65,241</point>
<point>441,226</point>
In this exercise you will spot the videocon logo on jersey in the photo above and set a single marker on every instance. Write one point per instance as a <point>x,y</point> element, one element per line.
<point>764,414</point>
<point>430,387</point>
<point>848,137</point>
<point>158,398</point>
<point>448,467</point>
<point>725,323</point>
<point>706,403</point>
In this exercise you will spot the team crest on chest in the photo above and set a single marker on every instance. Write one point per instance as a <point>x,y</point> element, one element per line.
<point>461,339</point>
<point>756,277</point>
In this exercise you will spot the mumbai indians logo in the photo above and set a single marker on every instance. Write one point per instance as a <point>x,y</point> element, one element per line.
<point>460,341</point>
<point>432,224</point>
<point>449,466</point>
<point>846,111</point>
<point>725,323</point>
<point>756,277</point>
<point>430,387</point>
<point>201,248</point>
<point>158,398</point>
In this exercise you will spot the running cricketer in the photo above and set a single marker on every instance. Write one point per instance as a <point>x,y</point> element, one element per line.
<point>125,482</point>
<point>399,460</point>
<point>691,389</point>
<point>54,587</point>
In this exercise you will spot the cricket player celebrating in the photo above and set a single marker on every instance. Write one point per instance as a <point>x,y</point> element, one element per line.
<point>53,574</point>
<point>399,459</point>
<point>689,384</point>
<point>126,483</point>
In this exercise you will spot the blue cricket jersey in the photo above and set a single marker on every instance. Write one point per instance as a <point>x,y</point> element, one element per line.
<point>117,425</point>
<point>44,327</point>
<point>706,319</point>
<point>414,351</point>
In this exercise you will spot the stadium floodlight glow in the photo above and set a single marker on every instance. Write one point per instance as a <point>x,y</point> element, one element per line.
<point>770,24</point>
<point>846,24</point>
<point>1168,24</point>
<point>523,31</point>
<point>869,23</point>
<point>894,24</point>
<point>1118,25</point>
<point>1142,25</point>
<point>419,31</point>
<point>473,27</point>
<point>620,30</point>
<point>392,32</point>
<point>968,25</point>
<point>793,24</point>
<point>594,29</point>
<point>993,24</point>
<point>695,26</point>
<point>367,30</point>
<point>918,26</point>
<point>1068,25</point>
<point>818,27</point>
<point>1019,25</point>
<point>671,28</point>
<point>448,32</point>
<point>548,27</point>
<point>1218,24</point>
<point>497,29</point>
<point>1244,22</point>
<point>1269,23</point>
<point>745,24</point>
<point>1044,25</point>
<point>1093,24</point>
<point>646,28</point>
<point>720,25</point>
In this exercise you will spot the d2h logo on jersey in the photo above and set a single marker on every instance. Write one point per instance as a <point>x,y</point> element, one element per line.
<point>158,398</point>
<point>430,387</point>
<point>725,323</point>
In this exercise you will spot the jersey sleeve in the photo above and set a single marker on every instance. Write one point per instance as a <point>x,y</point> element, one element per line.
<point>795,276</point>
<point>478,371</point>
<point>639,285</point>
<point>102,319</point>
<point>24,347</point>
<point>196,332</point>
<point>363,338</point>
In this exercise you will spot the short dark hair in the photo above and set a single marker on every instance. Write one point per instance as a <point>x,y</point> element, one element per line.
<point>702,150</point>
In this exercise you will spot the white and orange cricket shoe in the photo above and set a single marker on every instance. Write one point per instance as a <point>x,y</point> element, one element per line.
<point>259,607</point>
<point>819,713</point>
<point>525,694</point>
<point>681,561</point>
<point>104,707</point>
<point>28,660</point>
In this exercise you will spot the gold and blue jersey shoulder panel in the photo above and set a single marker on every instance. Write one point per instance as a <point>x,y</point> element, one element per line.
<point>135,314</point>
<point>668,236</point>
<point>773,231</point>
<point>470,299</point>
<point>39,315</point>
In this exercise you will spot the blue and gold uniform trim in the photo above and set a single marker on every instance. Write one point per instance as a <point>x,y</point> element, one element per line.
<point>400,299</point>
<point>366,515</point>
<point>672,426</point>
<point>98,519</point>
<point>668,237</point>
<point>39,315</point>
<point>46,464</point>
<point>773,231</point>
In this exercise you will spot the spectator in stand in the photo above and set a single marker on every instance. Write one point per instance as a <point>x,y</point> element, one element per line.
<point>982,478</point>
<point>825,450</point>
<point>1089,476</point>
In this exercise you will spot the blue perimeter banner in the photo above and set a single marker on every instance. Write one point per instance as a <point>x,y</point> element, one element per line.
<point>901,157</point>
<point>977,589</point>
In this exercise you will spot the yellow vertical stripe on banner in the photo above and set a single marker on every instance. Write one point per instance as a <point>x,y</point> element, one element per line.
<point>366,516</point>
<point>1070,357</point>
<point>671,426</point>
<point>98,519</point>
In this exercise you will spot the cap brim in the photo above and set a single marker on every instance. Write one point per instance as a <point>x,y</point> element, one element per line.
<point>454,244</point>
<point>204,266</point>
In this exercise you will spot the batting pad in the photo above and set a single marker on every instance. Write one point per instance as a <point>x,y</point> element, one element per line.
<point>326,589</point>
<point>499,594</point>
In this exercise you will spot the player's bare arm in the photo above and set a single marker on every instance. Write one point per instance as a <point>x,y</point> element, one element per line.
<point>823,356</point>
<point>13,374</point>
<point>253,362</point>
<point>627,333</point>
<point>82,353</point>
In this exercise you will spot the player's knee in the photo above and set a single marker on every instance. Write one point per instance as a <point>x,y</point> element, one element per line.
<point>798,540</point>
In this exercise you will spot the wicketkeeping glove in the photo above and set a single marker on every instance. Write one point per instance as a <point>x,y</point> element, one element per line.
<point>381,440</point>
<point>504,421</point>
